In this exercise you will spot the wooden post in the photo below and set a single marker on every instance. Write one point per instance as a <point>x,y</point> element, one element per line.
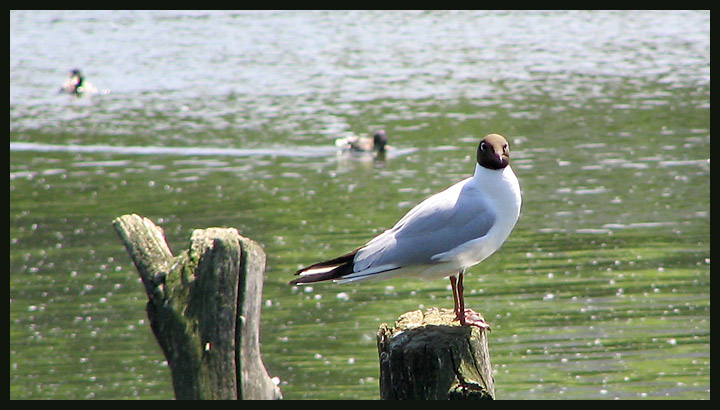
<point>427,355</point>
<point>204,308</point>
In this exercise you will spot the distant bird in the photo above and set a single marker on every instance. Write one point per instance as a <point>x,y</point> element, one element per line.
<point>443,235</point>
<point>76,84</point>
<point>377,144</point>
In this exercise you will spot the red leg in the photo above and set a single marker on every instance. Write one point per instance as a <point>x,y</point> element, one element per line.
<point>461,298</point>
<point>465,316</point>
<point>453,284</point>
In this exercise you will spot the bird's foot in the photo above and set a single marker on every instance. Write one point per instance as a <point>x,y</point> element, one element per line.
<point>472,318</point>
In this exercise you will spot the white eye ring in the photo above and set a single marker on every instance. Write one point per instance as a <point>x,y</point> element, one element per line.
<point>482,146</point>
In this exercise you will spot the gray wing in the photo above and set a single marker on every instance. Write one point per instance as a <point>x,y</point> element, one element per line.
<point>436,225</point>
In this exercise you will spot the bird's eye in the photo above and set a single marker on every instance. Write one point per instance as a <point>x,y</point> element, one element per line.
<point>482,146</point>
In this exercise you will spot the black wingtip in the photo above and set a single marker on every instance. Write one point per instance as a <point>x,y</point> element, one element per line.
<point>343,265</point>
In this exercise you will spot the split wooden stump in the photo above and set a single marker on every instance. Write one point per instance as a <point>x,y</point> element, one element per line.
<point>204,308</point>
<point>427,355</point>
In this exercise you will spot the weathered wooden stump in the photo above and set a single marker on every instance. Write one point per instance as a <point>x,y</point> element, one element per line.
<point>427,355</point>
<point>204,308</point>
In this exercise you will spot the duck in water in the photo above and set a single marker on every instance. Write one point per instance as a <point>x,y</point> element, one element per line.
<point>76,84</point>
<point>377,144</point>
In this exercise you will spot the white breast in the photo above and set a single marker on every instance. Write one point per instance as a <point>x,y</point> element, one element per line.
<point>501,190</point>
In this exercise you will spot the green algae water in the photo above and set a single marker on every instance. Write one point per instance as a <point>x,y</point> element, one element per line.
<point>228,119</point>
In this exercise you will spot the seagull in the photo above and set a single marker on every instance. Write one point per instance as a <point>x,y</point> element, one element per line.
<point>378,143</point>
<point>443,235</point>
